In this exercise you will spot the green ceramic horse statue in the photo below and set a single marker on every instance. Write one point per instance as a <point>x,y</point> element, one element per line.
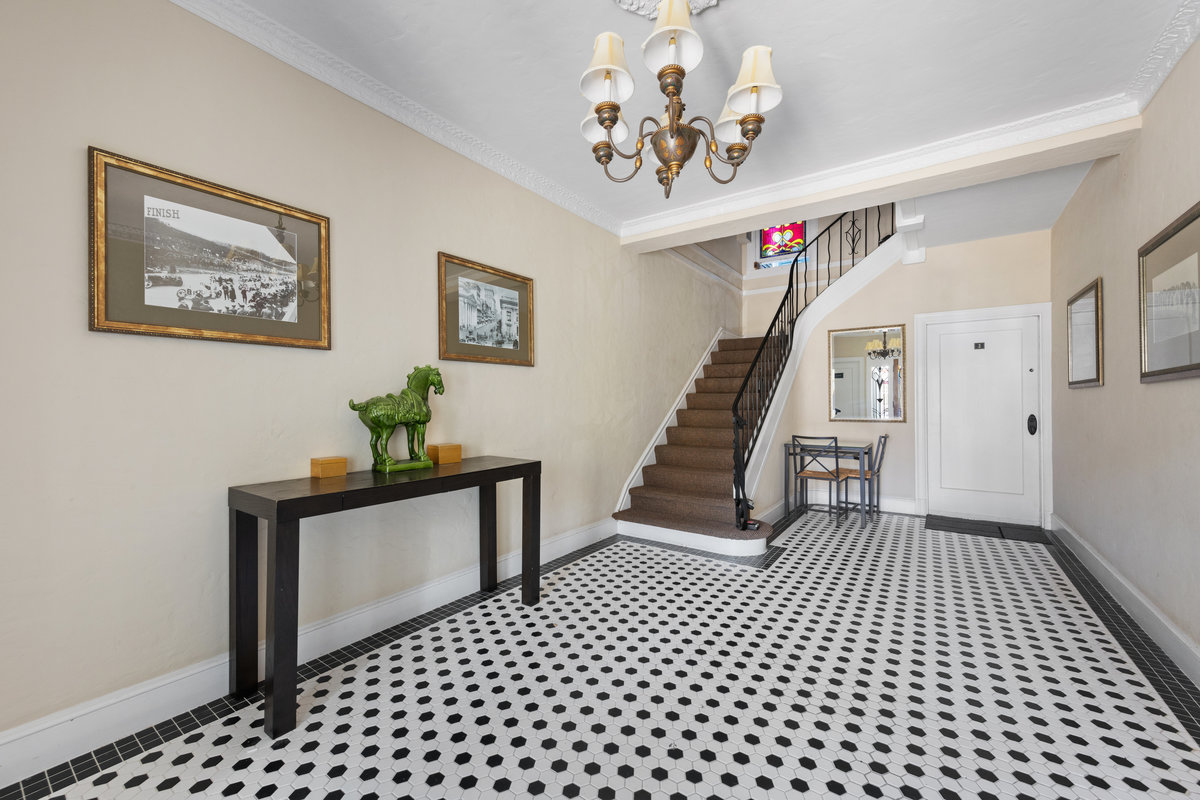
<point>410,408</point>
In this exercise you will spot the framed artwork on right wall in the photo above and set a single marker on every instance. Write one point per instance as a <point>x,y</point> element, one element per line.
<point>1085,337</point>
<point>1169,300</point>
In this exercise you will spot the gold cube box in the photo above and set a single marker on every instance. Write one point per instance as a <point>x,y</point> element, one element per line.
<point>444,453</point>
<point>328,467</point>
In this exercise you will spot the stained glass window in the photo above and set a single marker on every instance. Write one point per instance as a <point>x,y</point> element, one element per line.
<point>781,239</point>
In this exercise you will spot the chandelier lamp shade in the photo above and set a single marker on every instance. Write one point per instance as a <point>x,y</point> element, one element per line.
<point>671,51</point>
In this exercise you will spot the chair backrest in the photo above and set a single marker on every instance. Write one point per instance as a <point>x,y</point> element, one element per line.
<point>817,453</point>
<point>877,456</point>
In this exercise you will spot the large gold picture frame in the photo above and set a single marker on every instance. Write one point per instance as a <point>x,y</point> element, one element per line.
<point>484,314</point>
<point>173,255</point>
<point>1169,300</point>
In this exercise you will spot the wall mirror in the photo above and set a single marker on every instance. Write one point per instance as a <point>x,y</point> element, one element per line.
<point>866,374</point>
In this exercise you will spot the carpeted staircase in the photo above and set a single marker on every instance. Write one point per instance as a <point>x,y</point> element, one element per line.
<point>690,488</point>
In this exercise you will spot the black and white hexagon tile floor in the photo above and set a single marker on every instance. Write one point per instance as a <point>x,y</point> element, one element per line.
<point>892,662</point>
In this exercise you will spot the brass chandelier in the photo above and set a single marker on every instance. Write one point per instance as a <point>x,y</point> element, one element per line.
<point>672,50</point>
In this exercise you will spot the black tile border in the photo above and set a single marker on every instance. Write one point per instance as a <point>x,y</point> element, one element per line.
<point>1176,689</point>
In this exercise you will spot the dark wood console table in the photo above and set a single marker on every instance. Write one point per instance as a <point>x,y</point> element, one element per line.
<point>284,503</point>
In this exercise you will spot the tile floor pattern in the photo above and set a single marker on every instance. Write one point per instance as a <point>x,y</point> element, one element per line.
<point>892,662</point>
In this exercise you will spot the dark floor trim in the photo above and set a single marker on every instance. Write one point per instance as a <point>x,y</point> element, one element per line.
<point>1172,684</point>
<point>996,530</point>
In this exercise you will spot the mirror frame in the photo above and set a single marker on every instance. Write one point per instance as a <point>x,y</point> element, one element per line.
<point>903,371</point>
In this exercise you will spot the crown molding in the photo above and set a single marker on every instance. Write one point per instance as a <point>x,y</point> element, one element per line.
<point>255,28</point>
<point>1031,129</point>
<point>680,258</point>
<point>1179,35</point>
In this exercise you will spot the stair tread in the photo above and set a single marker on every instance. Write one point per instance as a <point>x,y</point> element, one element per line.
<point>744,343</point>
<point>714,529</point>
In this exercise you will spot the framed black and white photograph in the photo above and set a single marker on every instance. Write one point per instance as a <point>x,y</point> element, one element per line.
<point>484,314</point>
<point>173,255</point>
<point>1085,337</point>
<point>1169,288</point>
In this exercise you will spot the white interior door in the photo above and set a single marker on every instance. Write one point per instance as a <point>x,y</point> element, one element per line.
<point>982,380</point>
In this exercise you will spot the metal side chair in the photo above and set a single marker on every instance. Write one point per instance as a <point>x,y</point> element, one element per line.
<point>817,459</point>
<point>871,475</point>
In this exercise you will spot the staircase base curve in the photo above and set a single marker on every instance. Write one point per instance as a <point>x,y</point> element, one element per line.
<point>725,540</point>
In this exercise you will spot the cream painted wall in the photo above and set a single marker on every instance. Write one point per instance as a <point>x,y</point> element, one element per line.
<point>119,448</point>
<point>1008,270</point>
<point>1125,454</point>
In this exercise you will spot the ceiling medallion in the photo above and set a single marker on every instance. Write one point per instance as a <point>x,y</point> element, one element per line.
<point>672,50</point>
<point>649,8</point>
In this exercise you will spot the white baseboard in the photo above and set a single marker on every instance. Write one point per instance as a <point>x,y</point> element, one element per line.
<point>696,541</point>
<point>819,494</point>
<point>53,739</point>
<point>1165,633</point>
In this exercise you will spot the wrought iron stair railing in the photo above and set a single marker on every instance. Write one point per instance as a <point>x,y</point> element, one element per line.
<point>837,248</point>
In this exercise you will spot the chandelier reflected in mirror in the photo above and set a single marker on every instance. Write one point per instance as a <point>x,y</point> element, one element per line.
<point>880,349</point>
<point>673,50</point>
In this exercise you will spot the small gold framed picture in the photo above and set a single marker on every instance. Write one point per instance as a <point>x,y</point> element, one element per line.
<point>484,314</point>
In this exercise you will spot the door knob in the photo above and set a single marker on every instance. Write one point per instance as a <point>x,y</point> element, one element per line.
<point>1031,423</point>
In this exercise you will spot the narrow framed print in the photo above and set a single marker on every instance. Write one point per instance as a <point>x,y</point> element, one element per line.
<point>1169,295</point>
<point>1085,337</point>
<point>484,314</point>
<point>173,255</point>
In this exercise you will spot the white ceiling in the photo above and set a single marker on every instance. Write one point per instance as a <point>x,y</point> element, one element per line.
<point>1000,208</point>
<point>864,80</point>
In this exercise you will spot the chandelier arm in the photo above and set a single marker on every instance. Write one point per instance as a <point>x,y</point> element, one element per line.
<point>707,152</point>
<point>713,175</point>
<point>636,169</point>
<point>641,137</point>
<point>712,132</point>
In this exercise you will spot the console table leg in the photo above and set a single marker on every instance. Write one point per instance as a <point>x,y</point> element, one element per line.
<point>487,537</point>
<point>283,577</point>
<point>243,602</point>
<point>531,538</point>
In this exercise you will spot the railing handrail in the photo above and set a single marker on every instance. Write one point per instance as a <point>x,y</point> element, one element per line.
<point>782,306</point>
<point>779,334</point>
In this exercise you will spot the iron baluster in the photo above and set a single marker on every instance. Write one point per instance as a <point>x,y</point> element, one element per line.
<point>770,358</point>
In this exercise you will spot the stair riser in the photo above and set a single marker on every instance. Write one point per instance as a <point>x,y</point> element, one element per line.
<point>704,418</point>
<point>722,401</point>
<point>706,458</point>
<point>726,370</point>
<point>701,437</point>
<point>679,508</point>
<point>723,385</point>
<point>733,356</point>
<point>716,482</point>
